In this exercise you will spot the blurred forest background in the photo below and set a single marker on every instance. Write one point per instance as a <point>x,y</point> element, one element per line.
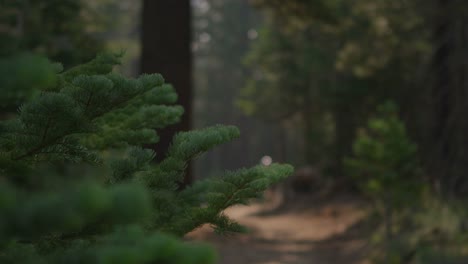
<point>372,94</point>
<point>303,77</point>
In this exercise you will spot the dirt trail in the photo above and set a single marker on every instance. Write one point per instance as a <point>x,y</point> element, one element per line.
<point>310,232</point>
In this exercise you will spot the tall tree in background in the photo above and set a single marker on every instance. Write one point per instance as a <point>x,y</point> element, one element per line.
<point>165,40</point>
<point>450,96</point>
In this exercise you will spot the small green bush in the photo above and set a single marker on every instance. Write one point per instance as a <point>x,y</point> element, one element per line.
<point>385,162</point>
<point>386,167</point>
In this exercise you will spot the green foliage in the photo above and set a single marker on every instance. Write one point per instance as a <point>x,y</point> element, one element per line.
<point>17,77</point>
<point>385,160</point>
<point>323,11</point>
<point>54,28</point>
<point>385,166</point>
<point>280,86</point>
<point>290,82</point>
<point>126,245</point>
<point>431,257</point>
<point>434,231</point>
<point>377,51</point>
<point>440,235</point>
<point>329,63</point>
<point>77,186</point>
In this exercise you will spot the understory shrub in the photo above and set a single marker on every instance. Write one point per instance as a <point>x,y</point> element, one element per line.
<point>385,166</point>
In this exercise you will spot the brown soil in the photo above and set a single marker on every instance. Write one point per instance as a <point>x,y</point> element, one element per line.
<point>309,231</point>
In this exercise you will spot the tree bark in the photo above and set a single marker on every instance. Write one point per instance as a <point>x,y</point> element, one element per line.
<point>166,49</point>
<point>449,95</point>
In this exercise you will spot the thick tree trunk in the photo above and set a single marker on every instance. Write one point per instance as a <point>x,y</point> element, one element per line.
<point>441,91</point>
<point>166,49</point>
<point>450,100</point>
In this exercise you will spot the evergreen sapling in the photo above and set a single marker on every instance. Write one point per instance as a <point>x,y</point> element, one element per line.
<point>78,187</point>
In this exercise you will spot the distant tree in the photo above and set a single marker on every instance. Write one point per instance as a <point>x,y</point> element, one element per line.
<point>353,56</point>
<point>220,43</point>
<point>386,167</point>
<point>166,48</point>
<point>55,28</point>
<point>449,102</point>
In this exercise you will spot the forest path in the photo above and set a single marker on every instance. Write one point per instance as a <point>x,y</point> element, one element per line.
<point>309,231</point>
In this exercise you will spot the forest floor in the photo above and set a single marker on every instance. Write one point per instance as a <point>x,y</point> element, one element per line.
<point>308,230</point>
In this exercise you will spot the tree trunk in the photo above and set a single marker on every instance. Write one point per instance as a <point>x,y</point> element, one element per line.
<point>166,49</point>
<point>450,96</point>
<point>345,134</point>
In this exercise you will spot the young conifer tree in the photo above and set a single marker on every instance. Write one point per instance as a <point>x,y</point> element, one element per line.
<point>76,184</point>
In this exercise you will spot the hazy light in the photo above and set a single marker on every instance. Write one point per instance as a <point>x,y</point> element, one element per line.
<point>217,17</point>
<point>205,37</point>
<point>266,160</point>
<point>203,23</point>
<point>201,5</point>
<point>252,33</point>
